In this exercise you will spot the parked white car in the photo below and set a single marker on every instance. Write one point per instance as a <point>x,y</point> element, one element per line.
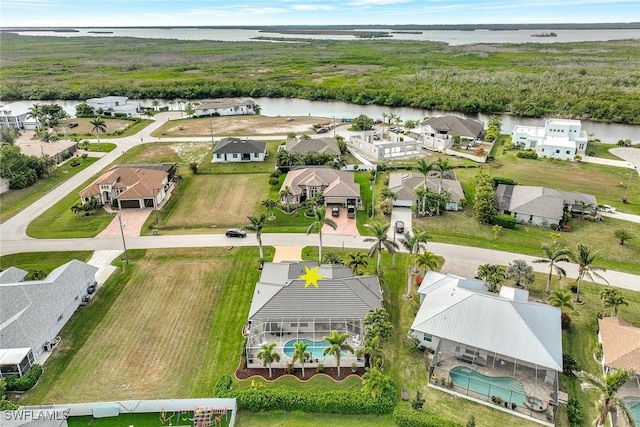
<point>606,208</point>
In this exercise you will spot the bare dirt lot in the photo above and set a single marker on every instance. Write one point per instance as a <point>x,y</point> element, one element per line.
<point>240,126</point>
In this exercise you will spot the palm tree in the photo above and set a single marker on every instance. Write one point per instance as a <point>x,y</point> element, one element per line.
<point>552,257</point>
<point>44,135</point>
<point>424,168</point>
<point>371,351</point>
<point>319,221</point>
<point>300,353</point>
<point>561,299</point>
<point>414,243</point>
<point>609,385</point>
<point>291,135</point>
<point>35,112</point>
<point>332,257</point>
<point>337,344</point>
<point>355,260</point>
<point>381,240</point>
<point>99,126</point>
<point>612,299</point>
<point>256,224</point>
<point>622,235</point>
<point>442,165</point>
<point>49,164</point>
<point>286,194</point>
<point>521,272</point>
<point>428,260</point>
<point>493,274</point>
<point>377,323</point>
<point>268,355</point>
<point>269,205</point>
<point>584,257</point>
<point>155,104</point>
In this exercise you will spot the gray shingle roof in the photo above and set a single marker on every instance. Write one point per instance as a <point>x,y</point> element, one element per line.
<point>241,146</point>
<point>313,145</point>
<point>538,201</point>
<point>405,184</point>
<point>12,274</point>
<point>453,125</point>
<point>339,294</point>
<point>29,309</point>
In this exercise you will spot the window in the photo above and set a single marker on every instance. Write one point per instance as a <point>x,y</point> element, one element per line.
<point>557,151</point>
<point>568,152</point>
<point>219,156</point>
<point>235,155</point>
<point>428,337</point>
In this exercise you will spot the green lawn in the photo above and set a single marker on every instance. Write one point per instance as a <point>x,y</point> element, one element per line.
<point>462,228</point>
<point>15,201</point>
<point>602,150</point>
<point>297,419</point>
<point>36,260</point>
<point>103,147</point>
<point>607,183</point>
<point>268,166</point>
<point>152,419</point>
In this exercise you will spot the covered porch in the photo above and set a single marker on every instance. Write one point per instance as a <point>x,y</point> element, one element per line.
<point>15,362</point>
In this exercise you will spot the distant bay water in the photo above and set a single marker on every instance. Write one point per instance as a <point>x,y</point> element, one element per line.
<point>452,37</point>
<point>606,132</point>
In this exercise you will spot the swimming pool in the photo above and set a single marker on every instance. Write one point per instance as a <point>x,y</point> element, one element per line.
<point>316,348</point>
<point>508,389</point>
<point>633,403</point>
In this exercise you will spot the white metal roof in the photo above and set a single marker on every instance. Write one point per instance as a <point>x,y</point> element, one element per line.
<point>13,356</point>
<point>523,330</point>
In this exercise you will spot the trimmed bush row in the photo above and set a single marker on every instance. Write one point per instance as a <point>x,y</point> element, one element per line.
<point>506,221</point>
<point>26,382</point>
<point>409,418</point>
<point>339,402</point>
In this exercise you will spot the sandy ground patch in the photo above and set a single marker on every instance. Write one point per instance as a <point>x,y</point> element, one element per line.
<point>191,152</point>
<point>288,253</point>
<point>240,126</point>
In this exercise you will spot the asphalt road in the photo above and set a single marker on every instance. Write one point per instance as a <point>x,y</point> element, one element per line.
<point>13,237</point>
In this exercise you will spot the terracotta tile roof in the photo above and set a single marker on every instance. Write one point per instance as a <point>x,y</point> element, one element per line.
<point>620,343</point>
<point>135,182</point>
<point>325,177</point>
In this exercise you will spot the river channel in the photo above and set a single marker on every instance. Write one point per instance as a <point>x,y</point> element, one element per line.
<point>606,132</point>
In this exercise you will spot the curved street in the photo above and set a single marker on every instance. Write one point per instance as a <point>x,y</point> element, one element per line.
<point>459,259</point>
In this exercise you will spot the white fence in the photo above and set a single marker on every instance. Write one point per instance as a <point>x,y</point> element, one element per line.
<point>143,406</point>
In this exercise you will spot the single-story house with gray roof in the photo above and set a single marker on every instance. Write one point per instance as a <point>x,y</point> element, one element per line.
<point>239,150</point>
<point>301,146</point>
<point>541,206</point>
<point>437,133</point>
<point>284,311</point>
<point>33,313</point>
<point>404,185</point>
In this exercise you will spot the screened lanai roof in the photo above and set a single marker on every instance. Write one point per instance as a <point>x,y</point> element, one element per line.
<point>505,323</point>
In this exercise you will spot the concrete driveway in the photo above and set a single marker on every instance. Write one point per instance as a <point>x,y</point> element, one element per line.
<point>400,214</point>
<point>346,226</point>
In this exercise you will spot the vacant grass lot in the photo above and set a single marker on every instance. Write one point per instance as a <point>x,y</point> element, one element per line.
<point>214,201</point>
<point>122,127</point>
<point>35,260</point>
<point>15,201</point>
<point>167,325</point>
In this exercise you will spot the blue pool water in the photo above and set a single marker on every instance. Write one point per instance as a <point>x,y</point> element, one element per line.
<point>509,389</point>
<point>633,403</point>
<point>315,348</point>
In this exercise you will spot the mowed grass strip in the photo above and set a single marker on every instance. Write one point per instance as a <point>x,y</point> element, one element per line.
<point>166,326</point>
<point>38,260</point>
<point>216,201</point>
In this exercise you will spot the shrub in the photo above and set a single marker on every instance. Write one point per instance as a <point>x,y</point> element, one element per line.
<point>527,155</point>
<point>340,402</point>
<point>406,418</point>
<point>222,386</point>
<point>574,413</point>
<point>27,381</point>
<point>505,221</point>
<point>320,368</point>
<point>497,180</point>
<point>411,343</point>
<point>274,181</point>
<point>275,174</point>
<point>418,402</point>
<point>570,365</point>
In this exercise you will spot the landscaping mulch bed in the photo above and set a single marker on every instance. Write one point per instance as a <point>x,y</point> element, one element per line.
<point>245,373</point>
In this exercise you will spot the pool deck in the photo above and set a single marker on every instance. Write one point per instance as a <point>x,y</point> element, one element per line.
<point>532,387</point>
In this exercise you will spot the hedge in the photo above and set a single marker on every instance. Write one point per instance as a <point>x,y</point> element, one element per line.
<point>339,402</point>
<point>26,382</point>
<point>405,417</point>
<point>497,180</point>
<point>506,221</point>
<point>527,155</point>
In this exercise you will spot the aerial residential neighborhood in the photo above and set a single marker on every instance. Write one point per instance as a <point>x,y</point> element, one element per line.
<point>240,248</point>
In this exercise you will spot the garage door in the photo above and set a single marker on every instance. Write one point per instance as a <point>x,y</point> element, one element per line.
<point>130,204</point>
<point>148,203</point>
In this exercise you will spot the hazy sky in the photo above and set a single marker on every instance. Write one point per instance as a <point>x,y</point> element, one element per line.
<point>107,13</point>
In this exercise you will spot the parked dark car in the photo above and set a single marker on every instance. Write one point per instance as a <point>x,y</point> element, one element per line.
<point>235,232</point>
<point>351,212</point>
<point>335,211</point>
<point>73,125</point>
<point>399,227</point>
